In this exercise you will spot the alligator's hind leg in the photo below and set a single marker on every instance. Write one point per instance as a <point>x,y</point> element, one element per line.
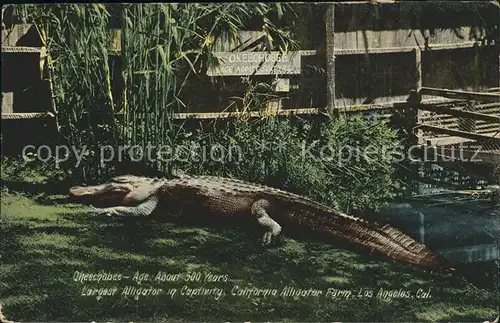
<point>143,209</point>
<point>260,210</point>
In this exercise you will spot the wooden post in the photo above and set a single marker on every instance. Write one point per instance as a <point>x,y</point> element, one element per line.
<point>415,117</point>
<point>418,84</point>
<point>418,67</point>
<point>330,58</point>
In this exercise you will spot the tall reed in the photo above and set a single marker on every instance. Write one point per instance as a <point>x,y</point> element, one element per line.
<point>76,36</point>
<point>166,46</point>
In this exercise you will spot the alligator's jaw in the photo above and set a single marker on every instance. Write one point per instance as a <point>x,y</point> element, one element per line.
<point>118,191</point>
<point>78,191</point>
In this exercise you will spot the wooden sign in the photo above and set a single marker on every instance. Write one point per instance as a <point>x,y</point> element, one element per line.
<point>255,63</point>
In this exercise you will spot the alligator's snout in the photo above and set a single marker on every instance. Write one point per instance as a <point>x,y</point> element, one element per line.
<point>82,190</point>
<point>97,192</point>
<point>108,193</point>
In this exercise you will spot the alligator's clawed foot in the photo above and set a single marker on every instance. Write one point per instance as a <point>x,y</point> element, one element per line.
<point>271,236</point>
<point>267,238</point>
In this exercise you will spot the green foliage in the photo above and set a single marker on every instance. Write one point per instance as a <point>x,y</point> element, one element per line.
<point>29,171</point>
<point>363,177</point>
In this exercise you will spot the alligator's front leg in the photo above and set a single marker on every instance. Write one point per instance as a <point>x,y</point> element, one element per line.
<point>143,209</point>
<point>260,211</point>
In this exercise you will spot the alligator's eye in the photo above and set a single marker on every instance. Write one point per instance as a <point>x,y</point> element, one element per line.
<point>119,189</point>
<point>121,179</point>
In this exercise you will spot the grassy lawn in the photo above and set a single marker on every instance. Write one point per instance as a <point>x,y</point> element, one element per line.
<point>45,239</point>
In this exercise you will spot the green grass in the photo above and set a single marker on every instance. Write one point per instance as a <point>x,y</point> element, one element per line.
<point>45,239</point>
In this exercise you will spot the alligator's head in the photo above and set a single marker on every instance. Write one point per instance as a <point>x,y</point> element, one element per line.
<point>121,190</point>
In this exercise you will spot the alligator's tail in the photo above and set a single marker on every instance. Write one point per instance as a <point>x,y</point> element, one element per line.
<point>397,245</point>
<point>384,240</point>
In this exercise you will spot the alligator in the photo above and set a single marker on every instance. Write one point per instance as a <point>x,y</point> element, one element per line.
<point>269,208</point>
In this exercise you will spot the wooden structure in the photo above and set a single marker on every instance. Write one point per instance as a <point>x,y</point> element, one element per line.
<point>436,64</point>
<point>467,126</point>
<point>26,115</point>
<point>356,57</point>
<point>378,52</point>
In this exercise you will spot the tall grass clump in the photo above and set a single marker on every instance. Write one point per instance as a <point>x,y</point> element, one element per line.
<point>76,37</point>
<point>168,45</point>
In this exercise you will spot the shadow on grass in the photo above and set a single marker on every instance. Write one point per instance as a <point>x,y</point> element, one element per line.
<point>48,193</point>
<point>51,187</point>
